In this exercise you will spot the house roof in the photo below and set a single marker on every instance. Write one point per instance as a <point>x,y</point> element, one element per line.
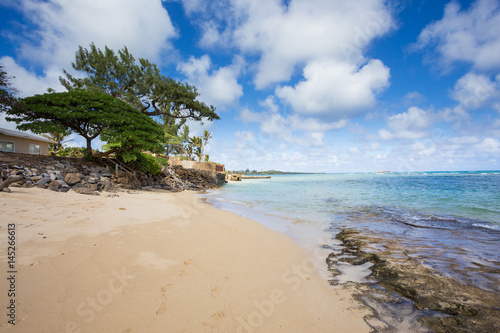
<point>24,135</point>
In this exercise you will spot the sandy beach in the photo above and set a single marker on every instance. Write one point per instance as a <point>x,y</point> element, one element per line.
<point>158,262</point>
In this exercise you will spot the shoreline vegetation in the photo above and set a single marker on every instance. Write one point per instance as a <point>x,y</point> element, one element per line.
<point>147,261</point>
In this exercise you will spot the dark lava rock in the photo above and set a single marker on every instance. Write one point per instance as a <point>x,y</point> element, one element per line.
<point>470,309</point>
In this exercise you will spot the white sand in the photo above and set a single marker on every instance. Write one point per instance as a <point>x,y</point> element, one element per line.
<point>159,262</point>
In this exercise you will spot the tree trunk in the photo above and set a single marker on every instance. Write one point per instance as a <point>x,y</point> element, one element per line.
<point>10,180</point>
<point>107,153</point>
<point>89,146</point>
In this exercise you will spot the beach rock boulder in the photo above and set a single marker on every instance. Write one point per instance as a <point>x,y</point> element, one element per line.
<point>43,181</point>
<point>123,180</point>
<point>84,190</point>
<point>54,185</point>
<point>73,178</point>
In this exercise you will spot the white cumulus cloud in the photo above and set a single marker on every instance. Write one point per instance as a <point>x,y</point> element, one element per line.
<point>29,83</point>
<point>336,89</point>
<point>304,31</point>
<point>413,124</point>
<point>220,86</point>
<point>287,36</point>
<point>466,35</point>
<point>57,27</point>
<point>143,26</point>
<point>474,90</point>
<point>489,145</point>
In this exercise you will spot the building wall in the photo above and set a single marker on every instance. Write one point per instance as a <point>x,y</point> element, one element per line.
<point>22,145</point>
<point>204,166</point>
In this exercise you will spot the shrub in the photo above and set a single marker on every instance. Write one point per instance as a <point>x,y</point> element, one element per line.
<point>72,152</point>
<point>146,163</point>
<point>162,161</point>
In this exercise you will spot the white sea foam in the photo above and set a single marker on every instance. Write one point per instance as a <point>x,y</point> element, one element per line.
<point>487,226</point>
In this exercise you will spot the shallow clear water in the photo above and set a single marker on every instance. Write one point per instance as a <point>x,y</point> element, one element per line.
<point>446,221</point>
<point>450,219</point>
<point>472,198</point>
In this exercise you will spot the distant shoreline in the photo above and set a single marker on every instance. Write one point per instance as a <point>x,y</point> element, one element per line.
<point>275,173</point>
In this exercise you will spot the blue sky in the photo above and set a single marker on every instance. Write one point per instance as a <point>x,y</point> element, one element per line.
<point>300,85</point>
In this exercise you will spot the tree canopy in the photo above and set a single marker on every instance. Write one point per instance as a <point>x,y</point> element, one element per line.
<point>139,84</point>
<point>7,92</point>
<point>90,114</point>
<point>176,134</point>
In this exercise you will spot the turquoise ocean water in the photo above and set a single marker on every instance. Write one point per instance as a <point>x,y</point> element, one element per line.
<point>467,201</point>
<point>453,218</point>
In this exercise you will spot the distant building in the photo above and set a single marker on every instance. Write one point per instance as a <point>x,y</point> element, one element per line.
<point>22,142</point>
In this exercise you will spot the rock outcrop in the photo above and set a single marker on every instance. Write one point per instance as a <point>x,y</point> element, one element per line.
<point>86,177</point>
<point>465,308</point>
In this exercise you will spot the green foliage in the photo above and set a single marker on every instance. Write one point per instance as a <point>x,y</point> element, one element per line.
<point>139,84</point>
<point>59,140</point>
<point>7,92</point>
<point>73,152</point>
<point>146,163</point>
<point>196,145</point>
<point>89,114</point>
<point>173,137</point>
<point>162,161</point>
<point>207,135</point>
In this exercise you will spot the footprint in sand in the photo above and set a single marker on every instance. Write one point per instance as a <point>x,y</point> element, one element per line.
<point>165,288</point>
<point>215,321</point>
<point>163,305</point>
<point>215,291</point>
<point>186,263</point>
<point>162,309</point>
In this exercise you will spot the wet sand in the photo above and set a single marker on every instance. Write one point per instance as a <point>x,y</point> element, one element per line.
<point>159,262</point>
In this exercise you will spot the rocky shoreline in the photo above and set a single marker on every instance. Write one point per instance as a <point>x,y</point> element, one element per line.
<point>63,174</point>
<point>444,304</point>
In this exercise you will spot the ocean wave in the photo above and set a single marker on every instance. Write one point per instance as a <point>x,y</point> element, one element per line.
<point>487,226</point>
<point>419,219</point>
<point>234,202</point>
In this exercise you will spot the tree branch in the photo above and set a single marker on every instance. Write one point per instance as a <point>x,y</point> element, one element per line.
<point>109,152</point>
<point>10,180</point>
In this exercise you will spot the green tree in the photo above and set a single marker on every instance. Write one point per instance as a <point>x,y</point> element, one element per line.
<point>199,153</point>
<point>188,150</point>
<point>59,140</point>
<point>139,84</point>
<point>7,92</point>
<point>196,142</point>
<point>176,133</point>
<point>207,135</point>
<point>90,114</point>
